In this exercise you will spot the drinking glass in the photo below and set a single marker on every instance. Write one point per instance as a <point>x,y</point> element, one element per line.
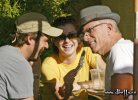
<point>98,79</point>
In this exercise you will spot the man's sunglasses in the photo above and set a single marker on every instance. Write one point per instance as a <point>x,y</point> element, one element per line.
<point>69,36</point>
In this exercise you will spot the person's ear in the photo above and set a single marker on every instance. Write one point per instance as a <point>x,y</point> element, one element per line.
<point>29,40</point>
<point>109,29</point>
<point>109,26</point>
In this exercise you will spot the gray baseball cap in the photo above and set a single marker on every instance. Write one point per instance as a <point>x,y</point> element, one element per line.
<point>97,12</point>
<point>33,22</point>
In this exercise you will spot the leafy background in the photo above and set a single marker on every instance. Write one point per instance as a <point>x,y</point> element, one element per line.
<point>11,9</point>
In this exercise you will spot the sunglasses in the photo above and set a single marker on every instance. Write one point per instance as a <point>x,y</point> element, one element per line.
<point>69,36</point>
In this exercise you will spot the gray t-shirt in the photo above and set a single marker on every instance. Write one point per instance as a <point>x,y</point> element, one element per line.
<point>16,77</point>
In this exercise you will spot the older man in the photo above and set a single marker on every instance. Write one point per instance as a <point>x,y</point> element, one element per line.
<point>99,25</point>
<point>16,77</point>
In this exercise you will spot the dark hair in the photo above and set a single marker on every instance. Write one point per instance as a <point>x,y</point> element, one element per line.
<point>21,38</point>
<point>61,21</point>
<point>65,20</point>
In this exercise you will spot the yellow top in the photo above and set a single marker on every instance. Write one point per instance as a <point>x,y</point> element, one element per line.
<point>53,69</point>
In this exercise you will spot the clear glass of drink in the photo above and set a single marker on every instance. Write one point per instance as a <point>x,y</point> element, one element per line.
<point>98,79</point>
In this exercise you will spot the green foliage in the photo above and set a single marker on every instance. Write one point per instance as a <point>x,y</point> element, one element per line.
<point>8,12</point>
<point>11,9</point>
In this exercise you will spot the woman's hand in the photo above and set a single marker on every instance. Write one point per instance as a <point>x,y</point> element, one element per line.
<point>59,91</point>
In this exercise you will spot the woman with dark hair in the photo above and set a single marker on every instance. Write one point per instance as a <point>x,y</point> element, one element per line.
<point>68,50</point>
<point>63,21</point>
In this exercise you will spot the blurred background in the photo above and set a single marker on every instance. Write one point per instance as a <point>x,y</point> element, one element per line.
<point>11,9</point>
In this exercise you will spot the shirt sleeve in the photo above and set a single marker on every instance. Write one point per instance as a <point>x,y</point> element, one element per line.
<point>122,60</point>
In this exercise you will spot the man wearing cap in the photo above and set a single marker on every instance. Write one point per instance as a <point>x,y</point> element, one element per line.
<point>99,25</point>
<point>16,77</point>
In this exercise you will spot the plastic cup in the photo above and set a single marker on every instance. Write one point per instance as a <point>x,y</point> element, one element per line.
<point>98,79</point>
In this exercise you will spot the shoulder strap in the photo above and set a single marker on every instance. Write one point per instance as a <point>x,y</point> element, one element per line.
<point>36,72</point>
<point>70,77</point>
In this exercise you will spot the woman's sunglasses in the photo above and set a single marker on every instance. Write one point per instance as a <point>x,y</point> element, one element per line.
<point>69,36</point>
